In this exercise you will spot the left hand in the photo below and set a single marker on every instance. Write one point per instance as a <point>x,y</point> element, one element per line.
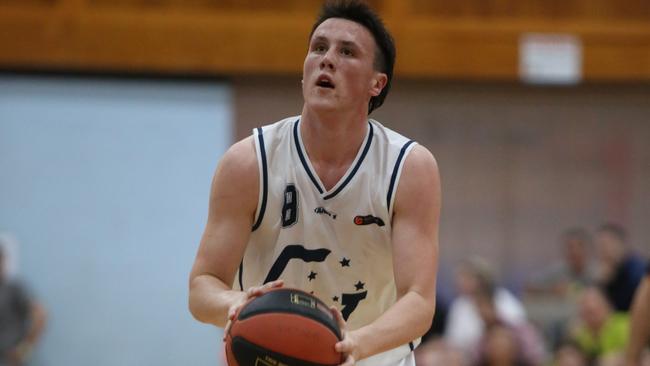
<point>348,346</point>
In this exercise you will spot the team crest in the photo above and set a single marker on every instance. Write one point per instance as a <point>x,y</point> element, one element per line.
<point>368,220</point>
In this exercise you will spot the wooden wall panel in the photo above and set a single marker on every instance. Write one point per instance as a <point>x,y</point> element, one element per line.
<point>575,9</point>
<point>279,6</point>
<point>464,39</point>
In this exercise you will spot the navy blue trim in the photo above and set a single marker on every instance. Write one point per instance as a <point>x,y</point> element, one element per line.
<point>302,158</point>
<point>357,165</point>
<point>265,179</point>
<point>241,271</point>
<point>411,346</point>
<point>393,176</point>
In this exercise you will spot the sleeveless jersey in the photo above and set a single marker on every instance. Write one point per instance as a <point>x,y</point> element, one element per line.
<point>333,243</point>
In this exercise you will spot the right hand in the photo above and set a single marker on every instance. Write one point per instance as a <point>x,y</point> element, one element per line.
<point>245,296</point>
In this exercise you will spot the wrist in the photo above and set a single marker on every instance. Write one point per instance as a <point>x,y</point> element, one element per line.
<point>24,349</point>
<point>359,338</point>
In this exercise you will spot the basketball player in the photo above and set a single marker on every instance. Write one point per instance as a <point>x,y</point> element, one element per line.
<point>330,202</point>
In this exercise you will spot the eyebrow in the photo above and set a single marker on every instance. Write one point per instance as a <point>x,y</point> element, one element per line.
<point>344,43</point>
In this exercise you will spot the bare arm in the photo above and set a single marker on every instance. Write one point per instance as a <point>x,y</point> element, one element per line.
<point>233,201</point>
<point>415,260</point>
<point>639,323</point>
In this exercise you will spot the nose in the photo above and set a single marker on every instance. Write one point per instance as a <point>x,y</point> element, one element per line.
<point>326,62</point>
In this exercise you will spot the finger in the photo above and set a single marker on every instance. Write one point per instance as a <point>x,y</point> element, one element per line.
<point>275,284</point>
<point>349,361</point>
<point>261,290</point>
<point>338,316</point>
<point>226,330</point>
<point>344,346</point>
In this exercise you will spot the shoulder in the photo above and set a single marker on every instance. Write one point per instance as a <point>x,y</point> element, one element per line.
<point>419,185</point>
<point>17,290</point>
<point>241,158</point>
<point>237,172</point>
<point>421,158</point>
<point>420,169</point>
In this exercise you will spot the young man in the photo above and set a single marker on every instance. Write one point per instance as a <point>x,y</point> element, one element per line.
<point>330,202</point>
<point>22,319</point>
<point>622,269</point>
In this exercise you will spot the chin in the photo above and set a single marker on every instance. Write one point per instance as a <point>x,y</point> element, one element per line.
<point>322,106</point>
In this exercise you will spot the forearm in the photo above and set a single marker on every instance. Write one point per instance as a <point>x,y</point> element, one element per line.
<point>37,325</point>
<point>210,299</point>
<point>639,323</point>
<point>408,319</point>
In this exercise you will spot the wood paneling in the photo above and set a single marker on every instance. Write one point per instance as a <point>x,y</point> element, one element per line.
<point>575,9</point>
<point>463,39</point>
<point>283,6</point>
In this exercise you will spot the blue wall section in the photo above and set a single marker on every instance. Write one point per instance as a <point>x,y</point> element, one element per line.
<point>105,184</point>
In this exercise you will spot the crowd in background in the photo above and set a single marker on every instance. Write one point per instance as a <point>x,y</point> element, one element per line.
<point>574,312</point>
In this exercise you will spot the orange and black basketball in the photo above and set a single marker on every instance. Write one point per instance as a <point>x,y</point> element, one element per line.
<point>283,327</point>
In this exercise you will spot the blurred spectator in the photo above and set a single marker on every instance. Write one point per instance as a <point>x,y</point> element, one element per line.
<point>621,270</point>
<point>601,333</point>
<point>505,343</point>
<point>438,353</point>
<point>551,297</point>
<point>640,322</point>
<point>21,320</point>
<point>464,324</point>
<point>569,354</point>
<point>576,271</point>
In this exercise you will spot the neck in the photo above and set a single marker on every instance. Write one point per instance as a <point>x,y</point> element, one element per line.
<point>321,131</point>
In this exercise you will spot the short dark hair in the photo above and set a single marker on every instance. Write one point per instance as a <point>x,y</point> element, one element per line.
<point>577,233</point>
<point>615,230</point>
<point>359,12</point>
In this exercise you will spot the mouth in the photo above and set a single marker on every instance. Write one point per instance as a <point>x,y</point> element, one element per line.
<point>325,81</point>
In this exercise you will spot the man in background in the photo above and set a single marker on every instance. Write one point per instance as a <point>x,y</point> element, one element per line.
<point>621,269</point>
<point>22,319</point>
<point>575,272</point>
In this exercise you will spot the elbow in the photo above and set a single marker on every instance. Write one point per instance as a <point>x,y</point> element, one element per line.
<point>428,314</point>
<point>194,303</point>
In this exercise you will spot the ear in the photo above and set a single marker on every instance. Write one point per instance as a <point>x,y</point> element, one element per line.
<point>378,83</point>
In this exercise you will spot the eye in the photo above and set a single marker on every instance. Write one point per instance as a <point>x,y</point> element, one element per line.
<point>347,51</point>
<point>319,47</point>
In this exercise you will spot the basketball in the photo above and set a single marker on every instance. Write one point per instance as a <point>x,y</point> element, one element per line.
<point>283,327</point>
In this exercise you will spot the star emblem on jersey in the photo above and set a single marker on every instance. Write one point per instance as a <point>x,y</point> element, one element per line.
<point>312,276</point>
<point>345,262</point>
<point>368,220</point>
<point>359,285</point>
<point>335,299</point>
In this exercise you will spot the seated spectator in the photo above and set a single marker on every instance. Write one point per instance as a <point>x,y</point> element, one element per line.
<point>569,354</point>
<point>506,343</point>
<point>21,320</point>
<point>601,333</point>
<point>551,296</point>
<point>437,353</point>
<point>621,269</point>
<point>573,273</point>
<point>465,327</point>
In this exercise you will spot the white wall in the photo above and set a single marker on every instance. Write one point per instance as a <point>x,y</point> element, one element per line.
<point>105,185</point>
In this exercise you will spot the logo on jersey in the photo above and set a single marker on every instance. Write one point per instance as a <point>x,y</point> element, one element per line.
<point>368,220</point>
<point>323,211</point>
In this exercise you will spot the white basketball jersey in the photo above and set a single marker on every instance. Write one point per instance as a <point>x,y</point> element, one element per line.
<point>333,243</point>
